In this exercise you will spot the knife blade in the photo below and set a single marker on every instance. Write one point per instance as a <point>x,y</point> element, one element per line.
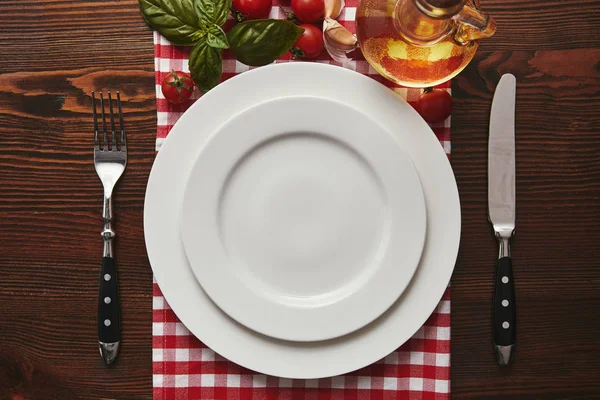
<point>501,211</point>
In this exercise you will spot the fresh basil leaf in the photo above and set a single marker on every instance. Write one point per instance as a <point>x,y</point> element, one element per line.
<point>212,11</point>
<point>205,65</point>
<point>216,38</point>
<point>174,19</point>
<point>260,42</point>
<point>199,35</point>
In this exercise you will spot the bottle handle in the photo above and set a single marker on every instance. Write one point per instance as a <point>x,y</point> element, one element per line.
<point>472,25</point>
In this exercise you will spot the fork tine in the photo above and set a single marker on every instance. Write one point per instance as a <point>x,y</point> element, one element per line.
<point>112,123</point>
<point>96,146</point>
<point>105,134</point>
<point>123,138</point>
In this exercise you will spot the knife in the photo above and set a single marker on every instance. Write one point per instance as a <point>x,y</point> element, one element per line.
<point>501,211</point>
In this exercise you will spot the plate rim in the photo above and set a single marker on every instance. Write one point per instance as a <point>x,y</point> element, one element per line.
<point>269,350</point>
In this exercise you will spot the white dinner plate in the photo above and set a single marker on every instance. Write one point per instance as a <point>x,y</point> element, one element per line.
<point>234,341</point>
<point>301,228</point>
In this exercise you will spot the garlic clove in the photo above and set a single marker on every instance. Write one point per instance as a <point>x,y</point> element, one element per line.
<point>333,8</point>
<point>337,36</point>
<point>337,55</point>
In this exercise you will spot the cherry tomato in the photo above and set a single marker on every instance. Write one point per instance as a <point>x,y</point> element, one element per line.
<point>310,44</point>
<point>251,9</point>
<point>177,87</point>
<point>308,10</point>
<point>434,105</point>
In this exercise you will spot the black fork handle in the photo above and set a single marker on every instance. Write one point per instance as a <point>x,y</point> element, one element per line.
<point>109,322</point>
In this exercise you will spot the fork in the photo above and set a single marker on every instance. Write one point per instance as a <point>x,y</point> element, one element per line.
<point>110,162</point>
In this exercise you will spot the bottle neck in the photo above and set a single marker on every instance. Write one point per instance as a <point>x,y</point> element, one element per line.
<point>440,9</point>
<point>418,28</point>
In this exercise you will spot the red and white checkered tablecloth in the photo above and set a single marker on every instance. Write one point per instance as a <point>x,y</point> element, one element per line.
<point>184,368</point>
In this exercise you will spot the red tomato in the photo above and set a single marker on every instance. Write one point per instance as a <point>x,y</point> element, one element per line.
<point>434,105</point>
<point>310,44</point>
<point>177,87</point>
<point>308,10</point>
<point>251,9</point>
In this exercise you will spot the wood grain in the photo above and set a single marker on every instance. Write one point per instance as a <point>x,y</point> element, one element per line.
<point>54,52</point>
<point>52,55</point>
<point>558,218</point>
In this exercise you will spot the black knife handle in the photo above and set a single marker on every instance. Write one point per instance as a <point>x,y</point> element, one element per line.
<point>109,324</point>
<point>505,307</point>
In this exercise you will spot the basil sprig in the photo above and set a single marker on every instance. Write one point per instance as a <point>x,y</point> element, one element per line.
<point>174,19</point>
<point>212,12</point>
<point>206,65</point>
<point>198,23</point>
<point>260,42</point>
<point>216,38</point>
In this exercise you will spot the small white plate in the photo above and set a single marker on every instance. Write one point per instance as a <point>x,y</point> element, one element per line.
<point>234,341</point>
<point>302,227</point>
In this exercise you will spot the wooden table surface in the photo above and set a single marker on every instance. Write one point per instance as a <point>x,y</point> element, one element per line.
<point>54,52</point>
